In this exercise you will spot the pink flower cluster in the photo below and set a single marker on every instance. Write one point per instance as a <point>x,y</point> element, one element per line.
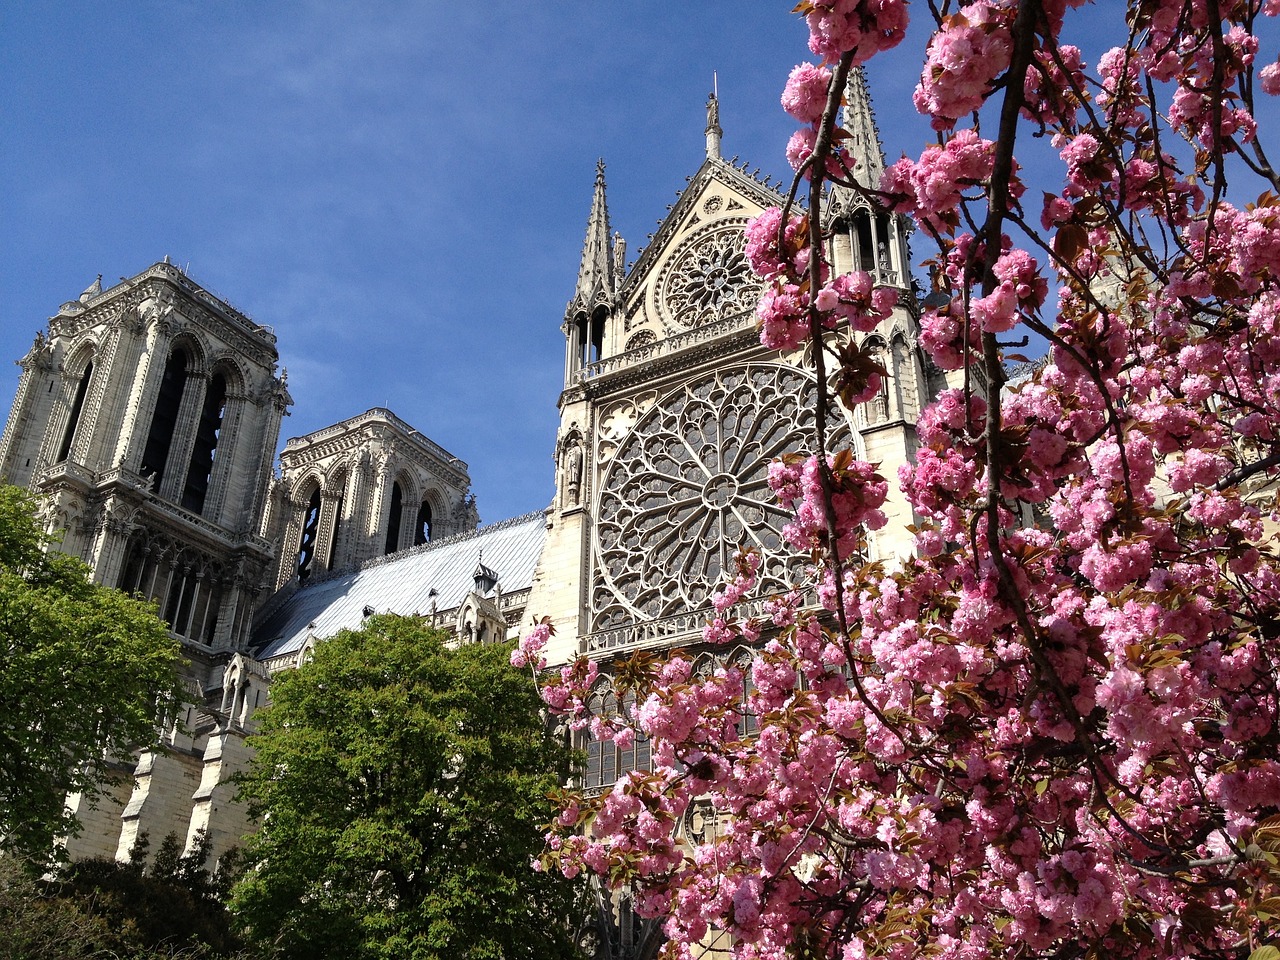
<point>1052,730</point>
<point>964,57</point>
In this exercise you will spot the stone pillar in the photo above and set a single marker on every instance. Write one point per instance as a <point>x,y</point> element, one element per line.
<point>184,437</point>
<point>141,404</point>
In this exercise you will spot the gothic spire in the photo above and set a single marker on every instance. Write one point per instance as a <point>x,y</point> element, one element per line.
<point>596,273</point>
<point>864,139</point>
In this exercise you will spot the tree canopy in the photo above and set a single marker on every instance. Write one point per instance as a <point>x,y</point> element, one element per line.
<point>1051,731</point>
<point>401,785</point>
<point>86,673</point>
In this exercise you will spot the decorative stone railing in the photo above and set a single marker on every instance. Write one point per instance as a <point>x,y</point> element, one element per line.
<point>665,631</point>
<point>668,346</point>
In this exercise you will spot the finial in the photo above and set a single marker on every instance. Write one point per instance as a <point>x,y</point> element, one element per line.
<point>713,122</point>
<point>600,170</point>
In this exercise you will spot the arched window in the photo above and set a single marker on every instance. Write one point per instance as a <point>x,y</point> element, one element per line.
<point>606,761</point>
<point>337,530</point>
<point>202,452</point>
<point>310,530</point>
<point>422,529</point>
<point>590,336</point>
<point>749,725</point>
<point>165,418</point>
<point>73,420</point>
<point>394,518</point>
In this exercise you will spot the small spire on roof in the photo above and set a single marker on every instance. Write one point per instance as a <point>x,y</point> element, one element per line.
<point>595,274</point>
<point>713,122</point>
<point>92,290</point>
<point>864,138</point>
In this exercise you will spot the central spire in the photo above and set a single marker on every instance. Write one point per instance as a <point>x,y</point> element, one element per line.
<point>595,274</point>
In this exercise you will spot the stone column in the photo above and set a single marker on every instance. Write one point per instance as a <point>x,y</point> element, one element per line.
<point>184,436</point>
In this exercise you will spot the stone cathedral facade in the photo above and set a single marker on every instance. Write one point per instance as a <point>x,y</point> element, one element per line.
<point>148,415</point>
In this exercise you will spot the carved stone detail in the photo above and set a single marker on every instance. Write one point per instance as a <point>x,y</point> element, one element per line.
<point>708,278</point>
<point>688,486</point>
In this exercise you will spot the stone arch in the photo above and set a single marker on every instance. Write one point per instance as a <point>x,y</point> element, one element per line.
<point>77,372</point>
<point>302,486</point>
<point>193,347</point>
<point>877,409</point>
<point>433,511</point>
<point>233,369</point>
<point>641,338</point>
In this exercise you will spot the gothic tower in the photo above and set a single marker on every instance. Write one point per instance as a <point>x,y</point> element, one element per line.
<point>363,488</point>
<point>672,411</point>
<point>147,418</point>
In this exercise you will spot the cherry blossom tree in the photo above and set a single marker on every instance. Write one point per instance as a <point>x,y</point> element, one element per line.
<point>1052,731</point>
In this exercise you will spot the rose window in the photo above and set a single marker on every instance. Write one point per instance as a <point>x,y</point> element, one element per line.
<point>688,486</point>
<point>709,278</point>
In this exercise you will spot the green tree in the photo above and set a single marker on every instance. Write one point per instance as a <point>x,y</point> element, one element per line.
<point>401,786</point>
<point>109,910</point>
<point>85,674</point>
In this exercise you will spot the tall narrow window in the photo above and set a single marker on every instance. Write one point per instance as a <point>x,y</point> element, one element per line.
<point>165,419</point>
<point>337,532</point>
<point>202,452</point>
<point>422,529</point>
<point>394,518</point>
<point>591,335</point>
<point>72,421</point>
<point>310,530</point>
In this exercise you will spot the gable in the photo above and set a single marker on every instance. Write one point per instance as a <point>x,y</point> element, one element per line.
<point>694,272</point>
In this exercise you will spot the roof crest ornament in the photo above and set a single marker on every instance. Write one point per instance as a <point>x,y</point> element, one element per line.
<point>713,130</point>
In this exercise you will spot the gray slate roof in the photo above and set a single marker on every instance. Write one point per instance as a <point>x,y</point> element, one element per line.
<point>402,582</point>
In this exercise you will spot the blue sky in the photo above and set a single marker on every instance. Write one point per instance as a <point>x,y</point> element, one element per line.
<point>399,189</point>
<point>401,193</point>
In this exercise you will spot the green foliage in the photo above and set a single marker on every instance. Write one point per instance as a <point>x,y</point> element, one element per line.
<point>401,786</point>
<point>105,909</point>
<point>86,673</point>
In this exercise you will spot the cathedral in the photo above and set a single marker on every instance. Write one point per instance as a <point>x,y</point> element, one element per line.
<point>148,415</point>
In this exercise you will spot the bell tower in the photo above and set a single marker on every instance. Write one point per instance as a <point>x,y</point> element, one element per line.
<point>147,416</point>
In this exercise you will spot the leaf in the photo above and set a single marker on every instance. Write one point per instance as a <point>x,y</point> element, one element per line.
<point>1266,953</point>
<point>1070,241</point>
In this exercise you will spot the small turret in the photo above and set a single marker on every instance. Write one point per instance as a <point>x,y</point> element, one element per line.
<point>595,293</point>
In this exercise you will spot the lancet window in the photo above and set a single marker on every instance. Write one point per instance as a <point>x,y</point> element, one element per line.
<point>77,407</point>
<point>606,761</point>
<point>310,532</point>
<point>422,527</point>
<point>165,418</point>
<point>394,518</point>
<point>200,469</point>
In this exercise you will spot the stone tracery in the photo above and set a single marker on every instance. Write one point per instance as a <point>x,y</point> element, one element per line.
<point>709,278</point>
<point>688,487</point>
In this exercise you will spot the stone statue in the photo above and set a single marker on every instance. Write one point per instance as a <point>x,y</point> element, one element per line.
<point>571,467</point>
